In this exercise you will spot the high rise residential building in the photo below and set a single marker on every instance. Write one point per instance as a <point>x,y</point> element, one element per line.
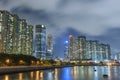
<point>94,50</point>
<point>4,25</point>
<point>66,43</point>
<point>14,34</point>
<point>117,56</point>
<point>70,48</point>
<point>49,54</point>
<point>106,52</point>
<point>76,54</point>
<point>40,42</point>
<point>88,50</point>
<point>29,40</point>
<point>22,36</point>
<point>82,47</point>
<point>101,52</point>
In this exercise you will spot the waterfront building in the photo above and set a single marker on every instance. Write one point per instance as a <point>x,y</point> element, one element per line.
<point>82,47</point>
<point>66,43</point>
<point>8,32</point>
<point>4,25</point>
<point>94,50</point>
<point>40,42</point>
<point>88,50</point>
<point>98,52</point>
<point>70,48</point>
<point>117,56</point>
<point>15,36</point>
<point>22,36</point>
<point>76,54</point>
<point>29,40</point>
<point>101,52</point>
<point>106,53</point>
<point>49,46</point>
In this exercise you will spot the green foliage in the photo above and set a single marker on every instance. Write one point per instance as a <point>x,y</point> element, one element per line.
<point>14,59</point>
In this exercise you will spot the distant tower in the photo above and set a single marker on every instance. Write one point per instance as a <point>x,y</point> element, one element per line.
<point>49,46</point>
<point>66,50</point>
<point>70,47</point>
<point>29,40</point>
<point>81,46</point>
<point>106,51</point>
<point>40,42</point>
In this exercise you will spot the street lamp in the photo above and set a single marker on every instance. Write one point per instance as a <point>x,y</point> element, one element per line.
<point>21,62</point>
<point>7,61</point>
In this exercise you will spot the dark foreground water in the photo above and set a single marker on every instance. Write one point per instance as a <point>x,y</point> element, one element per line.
<point>68,73</point>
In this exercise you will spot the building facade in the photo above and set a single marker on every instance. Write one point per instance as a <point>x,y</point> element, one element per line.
<point>76,53</point>
<point>89,50</point>
<point>82,47</point>
<point>94,50</point>
<point>49,54</point>
<point>22,36</point>
<point>106,53</point>
<point>29,40</point>
<point>14,34</point>
<point>70,48</point>
<point>4,25</point>
<point>40,42</point>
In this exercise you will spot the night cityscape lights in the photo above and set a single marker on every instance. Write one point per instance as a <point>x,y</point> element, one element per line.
<point>16,37</point>
<point>81,49</point>
<point>59,40</point>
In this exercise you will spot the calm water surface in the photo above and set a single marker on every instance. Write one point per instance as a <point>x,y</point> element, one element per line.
<point>68,73</point>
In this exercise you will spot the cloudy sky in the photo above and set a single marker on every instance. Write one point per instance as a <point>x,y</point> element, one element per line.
<point>96,19</point>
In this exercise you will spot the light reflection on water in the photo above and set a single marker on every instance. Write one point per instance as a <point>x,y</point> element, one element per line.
<point>68,73</point>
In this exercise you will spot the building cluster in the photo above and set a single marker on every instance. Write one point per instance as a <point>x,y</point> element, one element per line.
<point>18,37</point>
<point>81,49</point>
<point>117,56</point>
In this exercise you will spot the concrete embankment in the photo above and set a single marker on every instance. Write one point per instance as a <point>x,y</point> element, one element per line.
<point>16,69</point>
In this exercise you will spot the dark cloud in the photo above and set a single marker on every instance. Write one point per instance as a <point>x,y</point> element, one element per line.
<point>97,19</point>
<point>4,1</point>
<point>37,16</point>
<point>110,37</point>
<point>98,14</point>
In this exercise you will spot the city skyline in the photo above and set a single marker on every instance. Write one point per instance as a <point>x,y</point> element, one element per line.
<point>96,19</point>
<point>82,49</point>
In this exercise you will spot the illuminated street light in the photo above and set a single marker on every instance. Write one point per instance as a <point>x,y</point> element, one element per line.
<point>21,62</point>
<point>66,42</point>
<point>7,61</point>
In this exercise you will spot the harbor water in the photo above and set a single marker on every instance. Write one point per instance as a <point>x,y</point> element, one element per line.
<point>68,73</point>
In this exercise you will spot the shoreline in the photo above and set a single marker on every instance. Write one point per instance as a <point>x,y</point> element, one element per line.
<point>17,69</point>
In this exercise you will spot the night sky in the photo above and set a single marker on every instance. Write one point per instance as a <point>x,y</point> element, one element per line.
<point>96,19</point>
